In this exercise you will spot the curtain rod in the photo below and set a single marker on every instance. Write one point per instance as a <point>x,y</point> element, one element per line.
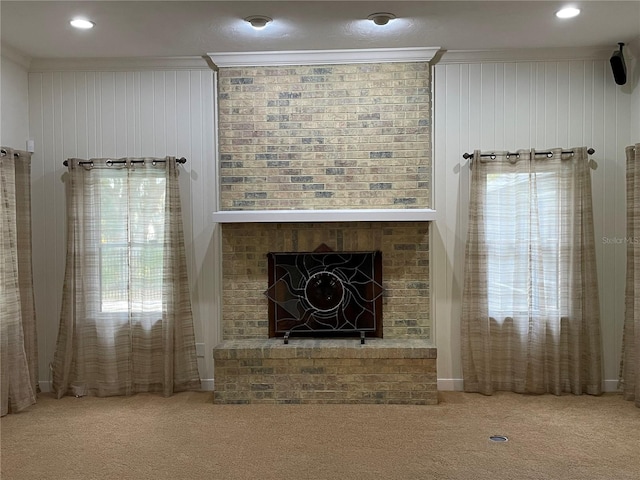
<point>3,153</point>
<point>466,156</point>
<point>111,162</point>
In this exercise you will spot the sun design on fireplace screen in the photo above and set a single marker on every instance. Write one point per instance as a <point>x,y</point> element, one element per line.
<point>325,294</point>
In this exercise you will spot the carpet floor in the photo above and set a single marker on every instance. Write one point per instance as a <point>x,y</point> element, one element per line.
<point>186,436</point>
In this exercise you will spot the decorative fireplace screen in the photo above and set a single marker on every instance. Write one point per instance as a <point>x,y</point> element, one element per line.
<point>325,294</point>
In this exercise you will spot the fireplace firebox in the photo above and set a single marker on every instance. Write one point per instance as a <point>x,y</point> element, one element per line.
<point>325,293</point>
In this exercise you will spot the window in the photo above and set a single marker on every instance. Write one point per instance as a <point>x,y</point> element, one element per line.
<point>131,243</point>
<point>524,249</point>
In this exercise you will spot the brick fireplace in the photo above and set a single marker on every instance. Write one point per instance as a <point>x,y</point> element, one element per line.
<point>400,368</point>
<point>334,138</point>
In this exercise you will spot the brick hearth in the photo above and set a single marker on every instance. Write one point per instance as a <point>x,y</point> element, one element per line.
<point>389,371</point>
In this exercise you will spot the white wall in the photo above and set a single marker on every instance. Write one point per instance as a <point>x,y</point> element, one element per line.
<point>632,56</point>
<point>92,110</point>
<point>507,105</point>
<point>96,110</point>
<point>14,99</point>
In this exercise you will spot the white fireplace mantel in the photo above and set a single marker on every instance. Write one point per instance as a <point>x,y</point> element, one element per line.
<point>325,215</point>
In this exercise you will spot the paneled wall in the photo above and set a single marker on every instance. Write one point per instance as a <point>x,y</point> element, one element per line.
<point>632,55</point>
<point>491,105</point>
<point>105,112</point>
<point>96,111</point>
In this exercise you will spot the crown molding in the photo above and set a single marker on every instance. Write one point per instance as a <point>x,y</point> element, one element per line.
<point>634,46</point>
<point>15,55</point>
<point>322,57</point>
<point>119,64</point>
<point>304,57</point>
<point>523,55</point>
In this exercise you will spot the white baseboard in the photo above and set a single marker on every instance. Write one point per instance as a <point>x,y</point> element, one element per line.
<point>450,385</point>
<point>45,386</point>
<point>457,385</point>
<point>206,384</point>
<point>444,385</point>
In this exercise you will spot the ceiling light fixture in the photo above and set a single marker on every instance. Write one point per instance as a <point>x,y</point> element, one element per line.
<point>381,18</point>
<point>568,12</point>
<point>258,21</point>
<point>82,23</point>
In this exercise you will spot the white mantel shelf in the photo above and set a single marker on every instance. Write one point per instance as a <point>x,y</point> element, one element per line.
<point>297,216</point>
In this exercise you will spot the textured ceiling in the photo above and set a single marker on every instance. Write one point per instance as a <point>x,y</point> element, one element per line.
<point>188,28</point>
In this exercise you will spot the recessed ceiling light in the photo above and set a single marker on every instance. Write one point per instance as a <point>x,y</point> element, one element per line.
<point>82,23</point>
<point>381,18</point>
<point>258,21</point>
<point>568,12</point>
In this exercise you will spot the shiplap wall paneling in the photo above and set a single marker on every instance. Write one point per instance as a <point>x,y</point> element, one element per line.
<point>511,105</point>
<point>612,125</point>
<point>116,114</point>
<point>48,216</point>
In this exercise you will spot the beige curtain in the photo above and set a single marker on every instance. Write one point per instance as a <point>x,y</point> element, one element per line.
<point>630,371</point>
<point>126,324</point>
<point>19,365</point>
<point>530,319</point>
